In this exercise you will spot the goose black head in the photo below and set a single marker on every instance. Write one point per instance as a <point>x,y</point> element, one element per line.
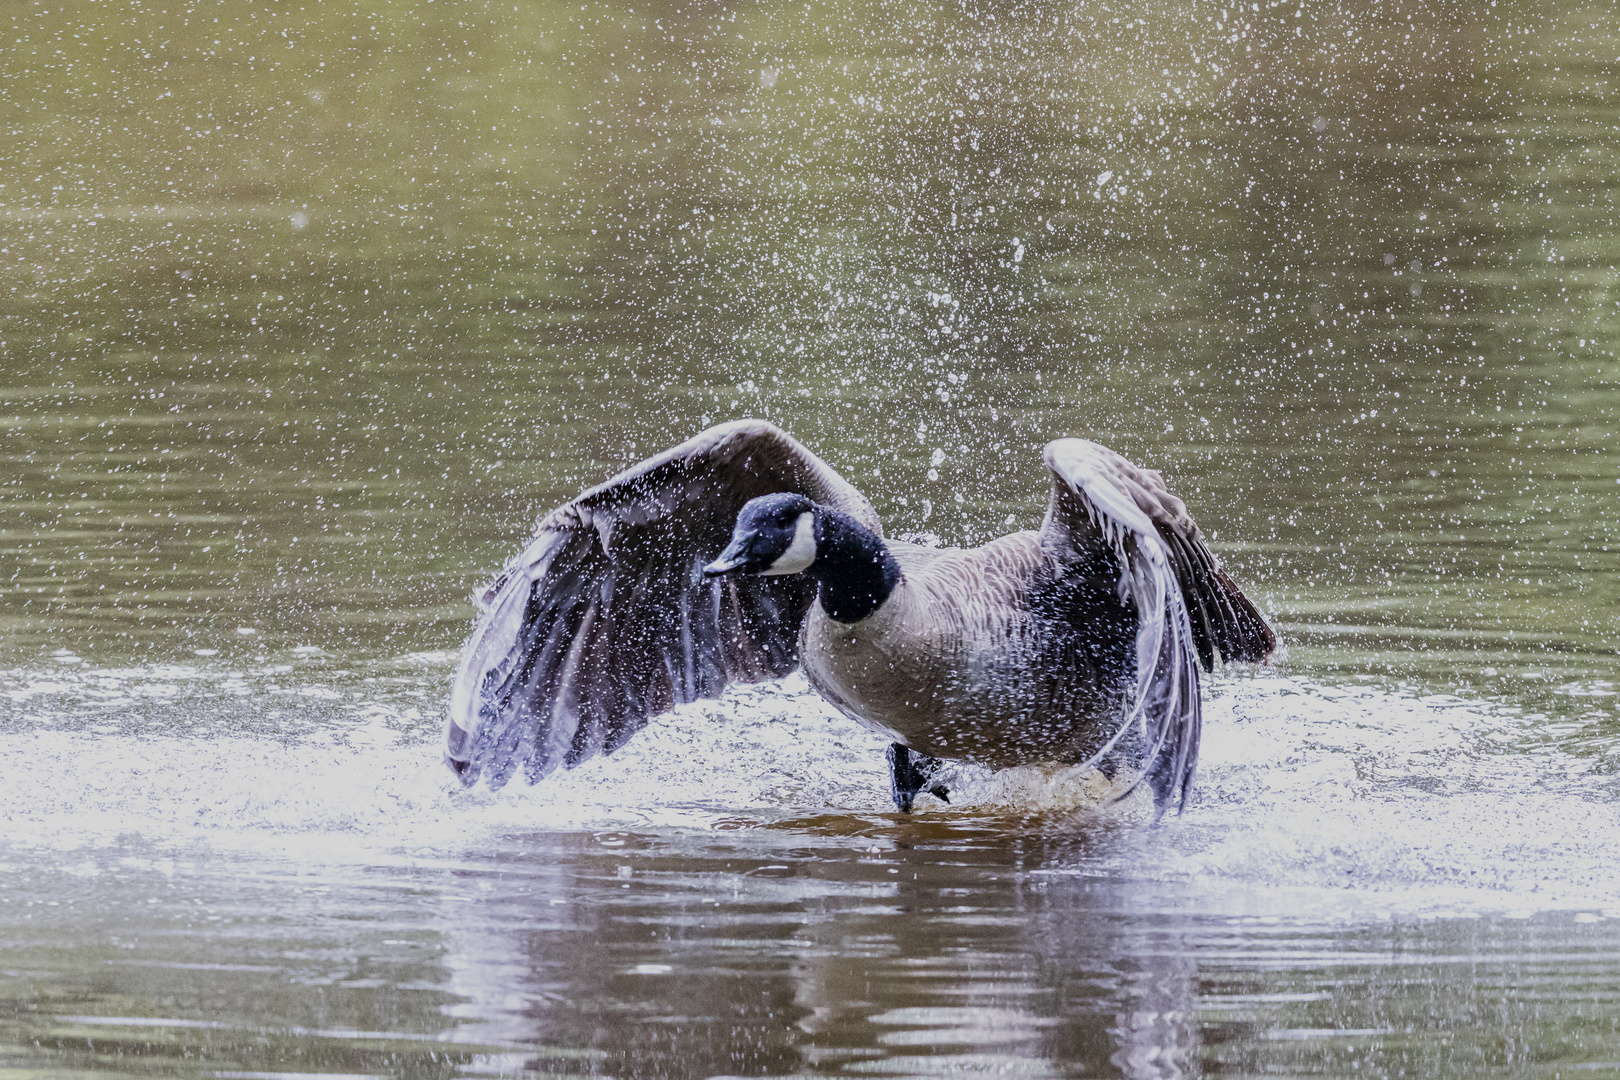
<point>775,534</point>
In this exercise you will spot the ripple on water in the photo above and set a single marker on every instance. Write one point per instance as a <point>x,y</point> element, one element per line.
<point>1414,804</point>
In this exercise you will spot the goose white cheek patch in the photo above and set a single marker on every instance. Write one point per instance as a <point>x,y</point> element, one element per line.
<point>802,552</point>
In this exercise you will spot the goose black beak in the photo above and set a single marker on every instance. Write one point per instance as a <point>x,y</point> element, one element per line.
<point>729,562</point>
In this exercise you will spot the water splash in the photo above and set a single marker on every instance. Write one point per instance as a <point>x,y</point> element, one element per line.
<point>1415,802</point>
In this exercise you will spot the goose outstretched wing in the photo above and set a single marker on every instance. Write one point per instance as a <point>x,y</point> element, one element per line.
<point>1186,605</point>
<point>605,620</point>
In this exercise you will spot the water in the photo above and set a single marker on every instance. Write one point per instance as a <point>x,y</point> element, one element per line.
<point>306,314</point>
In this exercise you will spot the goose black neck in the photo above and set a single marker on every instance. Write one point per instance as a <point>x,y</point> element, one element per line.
<point>853,565</point>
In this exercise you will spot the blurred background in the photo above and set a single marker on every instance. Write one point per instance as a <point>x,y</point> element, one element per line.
<point>308,310</point>
<point>306,313</point>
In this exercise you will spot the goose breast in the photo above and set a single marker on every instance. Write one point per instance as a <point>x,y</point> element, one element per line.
<point>979,656</point>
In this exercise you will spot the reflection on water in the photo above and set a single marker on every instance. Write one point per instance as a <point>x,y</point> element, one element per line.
<point>305,313</point>
<point>910,952</point>
<point>730,894</point>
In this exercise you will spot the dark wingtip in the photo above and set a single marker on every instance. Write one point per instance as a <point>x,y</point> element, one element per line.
<point>1247,638</point>
<point>463,769</point>
<point>1169,780</point>
<point>457,754</point>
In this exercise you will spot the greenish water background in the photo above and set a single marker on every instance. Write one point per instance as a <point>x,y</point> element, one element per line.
<point>307,312</point>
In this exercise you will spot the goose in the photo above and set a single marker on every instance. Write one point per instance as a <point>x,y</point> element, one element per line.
<point>739,555</point>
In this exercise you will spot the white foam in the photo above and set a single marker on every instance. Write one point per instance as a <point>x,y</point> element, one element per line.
<point>369,783</point>
<point>1406,803</point>
<point>1429,802</point>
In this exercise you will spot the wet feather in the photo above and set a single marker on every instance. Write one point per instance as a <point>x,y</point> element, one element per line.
<point>1081,641</point>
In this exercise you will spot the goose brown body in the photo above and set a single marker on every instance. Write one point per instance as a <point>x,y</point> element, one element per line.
<point>1076,641</point>
<point>974,657</point>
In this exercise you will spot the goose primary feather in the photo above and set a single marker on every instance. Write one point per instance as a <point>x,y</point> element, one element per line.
<point>739,554</point>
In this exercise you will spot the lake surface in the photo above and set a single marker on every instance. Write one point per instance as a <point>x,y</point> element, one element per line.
<point>306,313</point>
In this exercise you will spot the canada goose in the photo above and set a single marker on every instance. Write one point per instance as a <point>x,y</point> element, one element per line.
<point>739,554</point>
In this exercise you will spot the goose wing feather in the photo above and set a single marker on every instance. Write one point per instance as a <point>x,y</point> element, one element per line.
<point>1186,604</point>
<point>605,620</point>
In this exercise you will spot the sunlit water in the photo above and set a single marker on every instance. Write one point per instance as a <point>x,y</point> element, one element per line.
<point>305,314</point>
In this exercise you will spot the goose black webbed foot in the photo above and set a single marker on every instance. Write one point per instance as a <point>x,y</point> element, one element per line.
<point>911,772</point>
